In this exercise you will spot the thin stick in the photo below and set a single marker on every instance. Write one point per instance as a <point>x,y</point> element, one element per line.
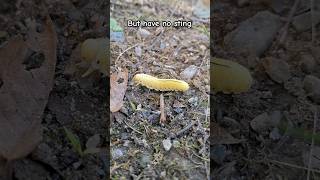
<point>125,51</point>
<point>162,115</point>
<point>313,27</point>
<point>312,142</point>
<point>292,165</point>
<point>132,128</point>
<point>286,26</point>
<point>185,129</point>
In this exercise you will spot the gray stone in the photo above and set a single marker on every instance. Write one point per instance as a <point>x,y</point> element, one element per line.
<point>189,72</point>
<point>311,85</point>
<point>167,144</point>
<point>255,34</point>
<point>277,69</point>
<point>302,22</point>
<point>307,63</point>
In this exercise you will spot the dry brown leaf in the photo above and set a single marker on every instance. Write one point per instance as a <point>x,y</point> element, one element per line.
<point>119,84</point>
<point>24,92</point>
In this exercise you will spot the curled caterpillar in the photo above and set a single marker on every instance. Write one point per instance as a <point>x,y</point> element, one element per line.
<point>160,84</point>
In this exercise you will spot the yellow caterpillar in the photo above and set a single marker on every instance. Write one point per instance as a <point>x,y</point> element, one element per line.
<point>96,53</point>
<point>229,77</point>
<point>160,84</point>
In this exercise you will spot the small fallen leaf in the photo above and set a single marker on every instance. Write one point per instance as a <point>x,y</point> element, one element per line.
<point>24,93</point>
<point>119,85</point>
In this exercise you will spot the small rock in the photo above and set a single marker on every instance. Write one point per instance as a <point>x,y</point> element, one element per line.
<point>144,160</point>
<point>167,144</point>
<point>264,122</point>
<point>138,51</point>
<point>162,45</point>
<point>275,134</point>
<point>294,86</point>
<point>202,9</point>
<point>242,3</point>
<point>93,141</point>
<point>76,165</point>
<point>218,153</point>
<point>303,22</point>
<point>143,33</point>
<point>178,104</point>
<point>193,101</point>
<point>277,69</point>
<point>278,6</point>
<point>116,36</point>
<point>307,63</point>
<point>176,143</point>
<point>117,153</point>
<point>178,110</point>
<point>189,72</point>
<point>311,85</point>
<point>255,34</point>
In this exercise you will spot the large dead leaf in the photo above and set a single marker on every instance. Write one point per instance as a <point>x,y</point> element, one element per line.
<point>119,84</point>
<point>25,89</point>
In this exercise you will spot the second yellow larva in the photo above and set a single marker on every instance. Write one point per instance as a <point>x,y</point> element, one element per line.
<point>160,84</point>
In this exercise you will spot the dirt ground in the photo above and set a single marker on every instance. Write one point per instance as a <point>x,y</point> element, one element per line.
<point>261,154</point>
<point>137,136</point>
<point>79,105</point>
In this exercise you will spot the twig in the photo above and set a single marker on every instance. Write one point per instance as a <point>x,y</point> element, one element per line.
<point>312,142</point>
<point>133,128</point>
<point>125,51</point>
<point>162,115</point>
<point>286,26</point>
<point>313,26</point>
<point>292,165</point>
<point>185,129</point>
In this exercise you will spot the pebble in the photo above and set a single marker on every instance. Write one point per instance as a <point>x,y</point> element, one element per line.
<point>264,122</point>
<point>218,153</point>
<point>176,143</point>
<point>311,85</point>
<point>302,22</point>
<point>275,134</point>
<point>116,36</point>
<point>117,153</point>
<point>144,160</point>
<point>93,141</point>
<point>143,33</point>
<point>307,63</point>
<point>193,101</point>
<point>255,34</point>
<point>188,73</point>
<point>277,69</point>
<point>138,51</point>
<point>167,144</point>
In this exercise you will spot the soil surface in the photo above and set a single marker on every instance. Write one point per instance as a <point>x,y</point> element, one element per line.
<point>280,94</point>
<point>138,139</point>
<point>77,104</point>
